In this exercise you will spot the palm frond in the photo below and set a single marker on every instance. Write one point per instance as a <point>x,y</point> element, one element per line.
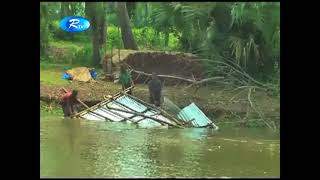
<point>237,13</point>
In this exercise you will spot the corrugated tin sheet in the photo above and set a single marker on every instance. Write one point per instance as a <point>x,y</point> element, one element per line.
<point>193,112</point>
<point>105,112</point>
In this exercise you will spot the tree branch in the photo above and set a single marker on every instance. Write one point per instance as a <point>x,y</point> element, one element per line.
<point>180,78</point>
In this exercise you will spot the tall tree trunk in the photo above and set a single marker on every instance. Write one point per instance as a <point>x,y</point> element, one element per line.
<point>73,9</point>
<point>131,7</point>
<point>96,15</point>
<point>86,9</point>
<point>126,32</point>
<point>44,33</point>
<point>65,10</point>
<point>91,11</point>
<point>146,13</point>
<point>102,23</point>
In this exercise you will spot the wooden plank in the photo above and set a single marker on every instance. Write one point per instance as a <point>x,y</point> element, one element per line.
<point>150,117</point>
<point>147,109</point>
<point>125,106</point>
<point>124,118</point>
<point>154,107</point>
<point>99,115</point>
<point>89,112</point>
<point>102,102</point>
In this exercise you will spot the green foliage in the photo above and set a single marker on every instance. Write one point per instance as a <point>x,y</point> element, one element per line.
<point>44,33</point>
<point>50,108</point>
<point>113,37</point>
<point>145,37</point>
<point>68,52</point>
<point>52,78</point>
<point>59,34</point>
<point>84,55</point>
<point>255,123</point>
<point>248,33</point>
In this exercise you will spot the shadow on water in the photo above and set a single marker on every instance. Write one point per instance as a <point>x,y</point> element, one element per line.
<point>73,127</point>
<point>78,148</point>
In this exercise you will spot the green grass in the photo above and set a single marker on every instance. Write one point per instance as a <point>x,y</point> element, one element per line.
<point>52,73</point>
<point>55,67</point>
<point>75,46</point>
<point>52,77</point>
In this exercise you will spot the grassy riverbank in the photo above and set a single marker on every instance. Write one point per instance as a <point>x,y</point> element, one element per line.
<point>224,105</point>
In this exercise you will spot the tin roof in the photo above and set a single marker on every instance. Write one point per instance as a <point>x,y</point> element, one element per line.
<point>125,108</point>
<point>193,112</point>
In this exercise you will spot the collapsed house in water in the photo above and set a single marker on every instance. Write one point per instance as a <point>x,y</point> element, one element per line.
<point>123,107</point>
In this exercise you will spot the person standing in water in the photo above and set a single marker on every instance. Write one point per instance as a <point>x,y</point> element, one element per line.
<point>68,103</point>
<point>125,79</point>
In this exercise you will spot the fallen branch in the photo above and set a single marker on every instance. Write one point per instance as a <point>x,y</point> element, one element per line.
<point>239,72</point>
<point>253,107</point>
<point>180,78</point>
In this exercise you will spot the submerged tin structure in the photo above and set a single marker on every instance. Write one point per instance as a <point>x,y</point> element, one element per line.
<point>126,108</point>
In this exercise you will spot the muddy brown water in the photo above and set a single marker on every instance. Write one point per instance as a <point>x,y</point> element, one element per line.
<point>80,148</point>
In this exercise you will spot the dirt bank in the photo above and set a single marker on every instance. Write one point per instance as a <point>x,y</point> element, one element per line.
<point>184,65</point>
<point>217,103</point>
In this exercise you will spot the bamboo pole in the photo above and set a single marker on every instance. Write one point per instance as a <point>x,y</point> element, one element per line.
<point>119,43</point>
<point>150,117</point>
<point>154,107</point>
<point>123,105</point>
<point>98,114</point>
<point>102,103</point>
<point>158,113</point>
<point>77,99</point>
<point>117,114</point>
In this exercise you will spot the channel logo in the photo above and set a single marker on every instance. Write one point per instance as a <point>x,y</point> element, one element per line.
<point>74,24</point>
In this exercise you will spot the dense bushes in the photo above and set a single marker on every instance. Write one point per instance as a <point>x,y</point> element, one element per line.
<point>77,48</point>
<point>246,33</point>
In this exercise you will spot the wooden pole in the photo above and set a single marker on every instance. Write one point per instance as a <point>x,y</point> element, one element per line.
<point>103,102</point>
<point>154,107</point>
<point>123,105</point>
<point>119,42</point>
<point>77,99</point>
<point>146,116</point>
<point>117,114</point>
<point>111,59</point>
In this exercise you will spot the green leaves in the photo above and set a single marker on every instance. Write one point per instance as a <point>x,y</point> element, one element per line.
<point>242,48</point>
<point>237,13</point>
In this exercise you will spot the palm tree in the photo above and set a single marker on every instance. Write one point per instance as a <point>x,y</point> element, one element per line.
<point>96,14</point>
<point>246,32</point>
<point>44,33</point>
<point>126,32</point>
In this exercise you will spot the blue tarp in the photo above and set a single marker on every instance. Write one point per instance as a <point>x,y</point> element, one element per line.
<point>66,76</point>
<point>93,74</point>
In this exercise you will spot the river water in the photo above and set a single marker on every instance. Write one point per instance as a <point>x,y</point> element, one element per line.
<point>80,148</point>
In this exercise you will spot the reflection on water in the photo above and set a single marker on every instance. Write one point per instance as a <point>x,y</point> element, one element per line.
<point>78,148</point>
